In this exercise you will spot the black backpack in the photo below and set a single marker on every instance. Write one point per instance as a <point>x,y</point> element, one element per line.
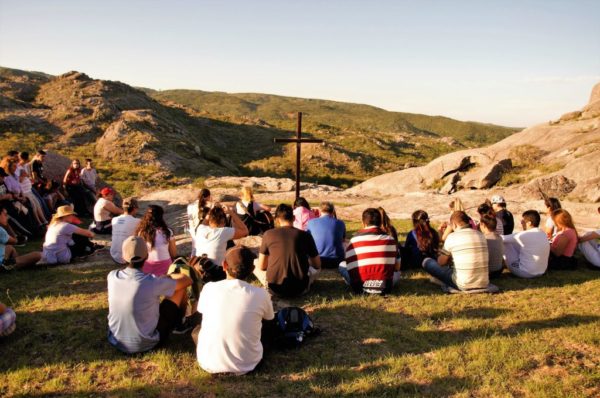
<point>293,326</point>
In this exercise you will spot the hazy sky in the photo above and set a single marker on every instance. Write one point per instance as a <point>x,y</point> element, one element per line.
<point>507,62</point>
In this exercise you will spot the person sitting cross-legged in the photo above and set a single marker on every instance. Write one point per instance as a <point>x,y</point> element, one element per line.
<point>104,211</point>
<point>123,227</point>
<point>463,261</point>
<point>564,243</point>
<point>589,247</point>
<point>288,261</point>
<point>229,339</point>
<point>138,320</point>
<point>9,257</point>
<point>527,252</point>
<point>328,233</point>
<point>494,243</point>
<point>371,264</point>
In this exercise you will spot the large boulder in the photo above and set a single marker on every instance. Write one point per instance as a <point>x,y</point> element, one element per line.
<point>487,176</point>
<point>592,109</point>
<point>557,186</point>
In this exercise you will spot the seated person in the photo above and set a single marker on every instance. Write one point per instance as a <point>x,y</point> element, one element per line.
<point>104,211</point>
<point>564,243</point>
<point>212,239</point>
<point>162,248</point>
<point>9,258</point>
<point>502,213</point>
<point>589,247</point>
<point>446,228</point>
<point>422,242</point>
<point>371,256</point>
<point>256,216</point>
<point>551,205</point>
<point>526,252</point>
<point>495,245</point>
<point>7,320</point>
<point>328,233</point>
<point>64,240</point>
<point>137,318</point>
<point>485,209</point>
<point>288,261</point>
<point>229,339</point>
<point>197,212</point>
<point>466,248</point>
<point>123,227</point>
<point>303,213</point>
<point>74,187</point>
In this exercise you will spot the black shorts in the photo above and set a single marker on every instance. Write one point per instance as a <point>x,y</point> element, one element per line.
<point>170,315</point>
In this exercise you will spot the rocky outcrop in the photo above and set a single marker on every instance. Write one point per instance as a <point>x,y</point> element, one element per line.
<point>568,162</point>
<point>557,186</point>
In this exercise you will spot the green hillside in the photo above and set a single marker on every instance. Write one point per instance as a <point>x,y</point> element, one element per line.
<point>323,115</point>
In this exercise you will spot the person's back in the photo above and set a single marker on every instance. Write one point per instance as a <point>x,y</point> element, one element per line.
<point>288,249</point>
<point>232,313</point>
<point>133,308</point>
<point>123,227</point>
<point>535,250</point>
<point>469,251</point>
<point>100,211</point>
<point>328,234</point>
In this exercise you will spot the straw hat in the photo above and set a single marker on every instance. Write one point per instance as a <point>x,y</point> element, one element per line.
<point>64,211</point>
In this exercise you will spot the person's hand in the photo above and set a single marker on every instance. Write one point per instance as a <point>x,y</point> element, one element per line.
<point>226,209</point>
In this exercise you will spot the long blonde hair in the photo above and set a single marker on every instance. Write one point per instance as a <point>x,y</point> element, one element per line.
<point>457,205</point>
<point>247,194</point>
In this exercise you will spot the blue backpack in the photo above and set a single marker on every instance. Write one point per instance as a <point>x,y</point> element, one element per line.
<point>294,326</point>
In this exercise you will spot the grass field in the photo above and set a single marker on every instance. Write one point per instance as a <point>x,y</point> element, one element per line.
<point>538,338</point>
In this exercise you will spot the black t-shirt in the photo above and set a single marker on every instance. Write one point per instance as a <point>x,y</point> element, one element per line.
<point>288,249</point>
<point>508,221</point>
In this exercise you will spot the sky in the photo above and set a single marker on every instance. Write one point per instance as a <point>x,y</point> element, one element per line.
<point>508,62</point>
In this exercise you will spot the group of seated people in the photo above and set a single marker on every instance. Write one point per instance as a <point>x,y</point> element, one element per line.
<point>32,200</point>
<point>297,242</point>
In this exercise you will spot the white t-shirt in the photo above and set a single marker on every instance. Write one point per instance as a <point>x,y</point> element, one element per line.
<point>213,242</point>
<point>100,213</point>
<point>550,225</point>
<point>160,252</point>
<point>122,227</point>
<point>193,219</point>
<point>229,340</point>
<point>534,250</point>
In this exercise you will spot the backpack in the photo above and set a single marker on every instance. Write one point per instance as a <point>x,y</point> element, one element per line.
<point>257,223</point>
<point>293,326</point>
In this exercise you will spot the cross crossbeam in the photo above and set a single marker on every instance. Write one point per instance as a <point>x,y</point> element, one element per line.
<point>299,141</point>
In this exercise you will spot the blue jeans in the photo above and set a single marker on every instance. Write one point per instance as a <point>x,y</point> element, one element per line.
<point>444,274</point>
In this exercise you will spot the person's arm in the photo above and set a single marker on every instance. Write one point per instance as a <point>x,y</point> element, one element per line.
<point>110,206</point>
<point>447,231</point>
<point>443,259</point>
<point>11,240</point>
<point>241,230</point>
<point>66,177</point>
<point>172,247</point>
<point>315,262</point>
<point>589,236</point>
<point>84,232</point>
<point>183,281</point>
<point>264,207</point>
<point>7,196</point>
<point>263,261</point>
<point>559,244</point>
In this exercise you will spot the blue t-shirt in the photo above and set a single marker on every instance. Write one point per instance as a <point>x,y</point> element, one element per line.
<point>133,308</point>
<point>328,234</point>
<point>3,241</point>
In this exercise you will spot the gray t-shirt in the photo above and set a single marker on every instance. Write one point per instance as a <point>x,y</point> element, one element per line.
<point>495,246</point>
<point>133,308</point>
<point>59,237</point>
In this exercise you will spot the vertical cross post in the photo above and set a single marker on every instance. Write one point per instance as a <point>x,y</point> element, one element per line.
<point>298,141</point>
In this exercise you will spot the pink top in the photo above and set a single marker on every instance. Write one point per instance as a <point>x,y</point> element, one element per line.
<point>571,237</point>
<point>302,215</point>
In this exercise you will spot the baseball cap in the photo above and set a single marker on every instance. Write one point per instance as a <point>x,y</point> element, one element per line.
<point>239,255</point>
<point>497,199</point>
<point>106,191</point>
<point>134,249</point>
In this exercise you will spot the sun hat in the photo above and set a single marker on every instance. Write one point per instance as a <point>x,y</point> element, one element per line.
<point>64,211</point>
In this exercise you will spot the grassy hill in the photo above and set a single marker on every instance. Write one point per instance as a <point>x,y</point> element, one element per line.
<point>324,115</point>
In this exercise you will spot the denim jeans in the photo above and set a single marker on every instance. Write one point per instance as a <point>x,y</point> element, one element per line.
<point>444,273</point>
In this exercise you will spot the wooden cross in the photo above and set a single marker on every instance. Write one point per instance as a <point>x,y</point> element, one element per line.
<point>299,141</point>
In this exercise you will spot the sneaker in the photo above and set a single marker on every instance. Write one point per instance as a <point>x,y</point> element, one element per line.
<point>8,264</point>
<point>184,327</point>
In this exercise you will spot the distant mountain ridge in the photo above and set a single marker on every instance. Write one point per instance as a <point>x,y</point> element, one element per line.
<point>144,138</point>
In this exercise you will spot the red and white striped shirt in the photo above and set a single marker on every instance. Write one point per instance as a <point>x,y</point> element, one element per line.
<point>371,255</point>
